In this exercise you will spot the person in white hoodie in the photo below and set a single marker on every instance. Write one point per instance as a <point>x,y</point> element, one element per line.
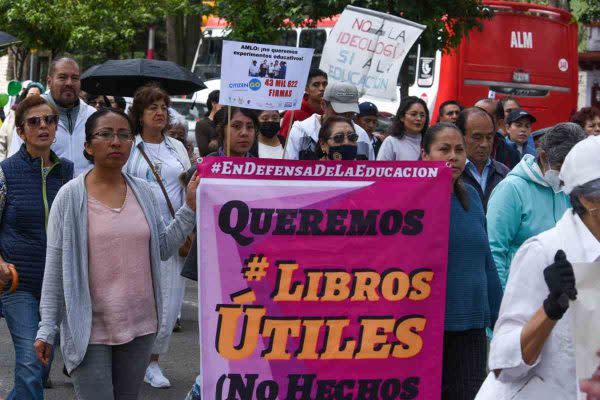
<point>532,352</point>
<point>64,85</point>
<point>340,98</point>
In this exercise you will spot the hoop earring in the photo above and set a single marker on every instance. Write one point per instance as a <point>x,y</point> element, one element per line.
<point>54,141</point>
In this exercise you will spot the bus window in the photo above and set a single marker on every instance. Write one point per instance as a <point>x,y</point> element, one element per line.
<point>314,39</point>
<point>411,58</point>
<point>208,65</point>
<point>288,38</point>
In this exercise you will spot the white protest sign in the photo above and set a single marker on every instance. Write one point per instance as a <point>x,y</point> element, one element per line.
<point>263,77</point>
<point>586,319</point>
<point>367,48</point>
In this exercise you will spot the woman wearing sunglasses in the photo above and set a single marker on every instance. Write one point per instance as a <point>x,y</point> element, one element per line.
<point>102,284</point>
<point>29,182</point>
<point>337,139</point>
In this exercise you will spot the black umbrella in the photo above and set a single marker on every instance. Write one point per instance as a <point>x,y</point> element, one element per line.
<point>7,39</point>
<point>123,77</point>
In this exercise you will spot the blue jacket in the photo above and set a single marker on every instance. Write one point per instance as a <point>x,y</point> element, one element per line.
<point>522,206</point>
<point>473,290</point>
<point>25,213</point>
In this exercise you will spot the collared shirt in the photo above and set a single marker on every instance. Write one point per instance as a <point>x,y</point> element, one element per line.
<point>552,375</point>
<point>483,177</point>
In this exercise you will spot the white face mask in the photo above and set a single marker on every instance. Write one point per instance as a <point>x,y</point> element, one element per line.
<point>552,179</point>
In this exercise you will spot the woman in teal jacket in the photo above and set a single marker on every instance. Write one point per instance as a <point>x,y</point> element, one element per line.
<point>529,201</point>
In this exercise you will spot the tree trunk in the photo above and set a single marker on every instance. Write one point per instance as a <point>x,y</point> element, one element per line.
<point>171,28</point>
<point>20,56</point>
<point>404,81</point>
<point>192,36</point>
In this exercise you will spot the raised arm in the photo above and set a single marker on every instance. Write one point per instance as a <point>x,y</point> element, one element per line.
<point>171,237</point>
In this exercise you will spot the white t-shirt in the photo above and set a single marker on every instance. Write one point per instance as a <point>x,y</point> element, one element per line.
<point>254,70</point>
<point>408,148</point>
<point>169,168</point>
<point>266,151</point>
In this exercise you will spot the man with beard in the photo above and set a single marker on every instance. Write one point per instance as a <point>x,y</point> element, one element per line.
<point>64,85</point>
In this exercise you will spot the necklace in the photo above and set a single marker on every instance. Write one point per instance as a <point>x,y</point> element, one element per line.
<point>156,158</point>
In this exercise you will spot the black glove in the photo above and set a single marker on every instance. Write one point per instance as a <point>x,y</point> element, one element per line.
<point>560,279</point>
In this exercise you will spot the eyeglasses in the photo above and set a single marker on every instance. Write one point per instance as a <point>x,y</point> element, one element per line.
<point>109,136</point>
<point>35,122</point>
<point>338,137</point>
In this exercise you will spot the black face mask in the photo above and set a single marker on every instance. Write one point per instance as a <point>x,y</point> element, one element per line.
<point>269,129</point>
<point>343,152</point>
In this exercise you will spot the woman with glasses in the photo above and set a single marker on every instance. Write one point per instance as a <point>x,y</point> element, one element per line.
<point>236,134</point>
<point>102,284</point>
<point>406,132</point>
<point>160,160</point>
<point>337,139</point>
<point>29,182</point>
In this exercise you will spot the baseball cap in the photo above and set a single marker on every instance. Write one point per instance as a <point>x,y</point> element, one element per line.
<point>540,132</point>
<point>582,164</point>
<point>343,97</point>
<point>367,108</point>
<point>518,114</point>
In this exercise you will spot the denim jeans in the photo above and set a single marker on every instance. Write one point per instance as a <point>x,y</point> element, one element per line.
<point>21,311</point>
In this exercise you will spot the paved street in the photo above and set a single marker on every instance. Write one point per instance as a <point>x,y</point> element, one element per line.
<point>180,364</point>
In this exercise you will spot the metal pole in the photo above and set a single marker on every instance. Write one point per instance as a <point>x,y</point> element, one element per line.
<point>31,55</point>
<point>151,32</point>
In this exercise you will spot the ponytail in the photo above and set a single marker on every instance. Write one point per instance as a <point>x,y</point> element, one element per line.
<point>460,191</point>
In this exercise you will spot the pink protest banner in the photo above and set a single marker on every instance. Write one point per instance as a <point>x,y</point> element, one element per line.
<point>322,280</point>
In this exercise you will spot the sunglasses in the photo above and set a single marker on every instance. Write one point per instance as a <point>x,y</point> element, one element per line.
<point>338,137</point>
<point>35,122</point>
<point>109,136</point>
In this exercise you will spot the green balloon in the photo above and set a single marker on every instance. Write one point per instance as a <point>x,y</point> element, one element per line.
<point>3,99</point>
<point>14,88</point>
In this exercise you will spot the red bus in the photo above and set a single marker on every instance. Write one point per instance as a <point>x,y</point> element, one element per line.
<point>526,51</point>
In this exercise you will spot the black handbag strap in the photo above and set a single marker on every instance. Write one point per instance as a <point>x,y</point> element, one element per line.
<point>140,147</point>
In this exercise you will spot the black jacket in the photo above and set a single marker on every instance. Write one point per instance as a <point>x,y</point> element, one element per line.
<point>505,154</point>
<point>498,172</point>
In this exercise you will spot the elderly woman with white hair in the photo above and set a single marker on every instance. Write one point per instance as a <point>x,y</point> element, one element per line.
<point>532,353</point>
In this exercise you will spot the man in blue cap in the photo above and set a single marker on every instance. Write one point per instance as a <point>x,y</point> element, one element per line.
<point>367,119</point>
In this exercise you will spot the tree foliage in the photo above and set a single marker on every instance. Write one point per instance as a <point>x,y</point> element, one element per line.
<point>587,11</point>
<point>447,21</point>
<point>262,22</point>
<point>97,30</point>
<point>38,24</point>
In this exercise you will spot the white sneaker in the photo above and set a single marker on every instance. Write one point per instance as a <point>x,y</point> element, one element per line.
<point>154,376</point>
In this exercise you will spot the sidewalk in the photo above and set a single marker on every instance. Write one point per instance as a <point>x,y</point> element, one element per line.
<point>180,364</point>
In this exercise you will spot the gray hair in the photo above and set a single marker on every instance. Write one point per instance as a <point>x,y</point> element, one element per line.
<point>589,190</point>
<point>559,140</point>
<point>180,124</point>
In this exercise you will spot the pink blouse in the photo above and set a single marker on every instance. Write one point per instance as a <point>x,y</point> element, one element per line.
<point>120,277</point>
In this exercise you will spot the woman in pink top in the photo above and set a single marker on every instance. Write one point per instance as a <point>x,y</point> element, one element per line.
<point>106,240</point>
